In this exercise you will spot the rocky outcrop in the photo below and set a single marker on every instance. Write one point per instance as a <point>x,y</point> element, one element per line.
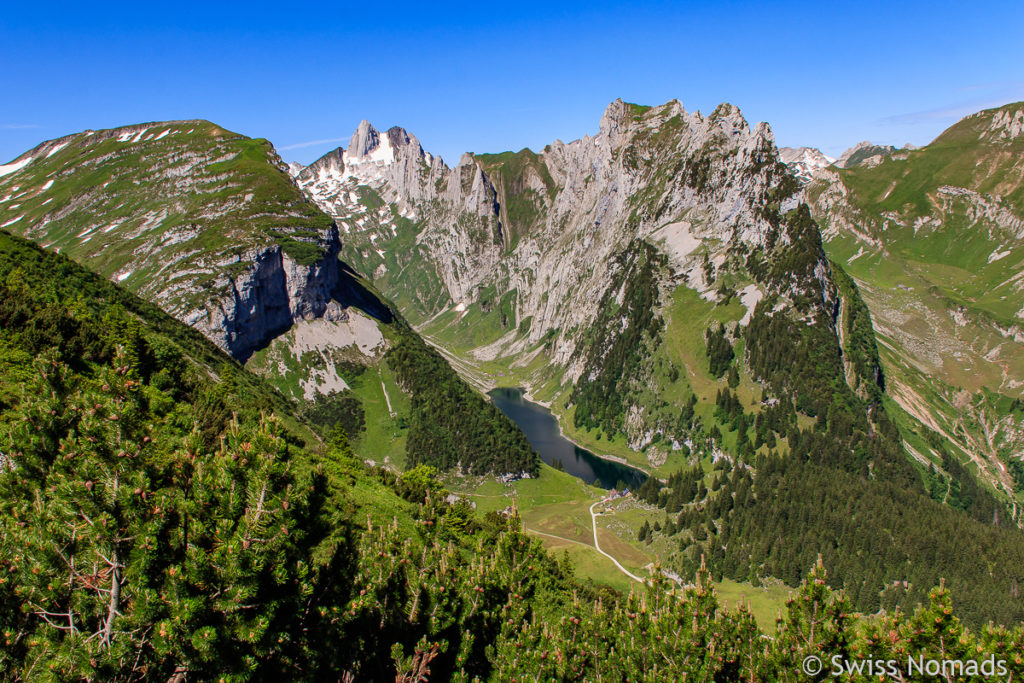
<point>1007,125</point>
<point>457,208</point>
<point>393,162</point>
<point>864,153</point>
<point>271,293</point>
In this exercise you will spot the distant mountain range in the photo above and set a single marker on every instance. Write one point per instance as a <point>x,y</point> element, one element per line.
<point>806,162</point>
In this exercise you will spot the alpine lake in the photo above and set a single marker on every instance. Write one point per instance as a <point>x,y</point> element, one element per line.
<point>541,429</point>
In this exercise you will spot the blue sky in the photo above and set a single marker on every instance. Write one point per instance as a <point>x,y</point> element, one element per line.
<point>487,77</point>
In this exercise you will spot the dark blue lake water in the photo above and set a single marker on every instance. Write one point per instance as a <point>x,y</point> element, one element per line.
<point>542,431</point>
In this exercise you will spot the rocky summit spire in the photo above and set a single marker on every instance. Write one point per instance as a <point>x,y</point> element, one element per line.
<point>399,137</point>
<point>364,140</point>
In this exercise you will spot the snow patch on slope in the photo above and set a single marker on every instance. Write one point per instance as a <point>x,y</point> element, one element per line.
<point>56,149</point>
<point>15,166</point>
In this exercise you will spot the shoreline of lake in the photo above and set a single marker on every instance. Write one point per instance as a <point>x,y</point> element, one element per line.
<point>604,456</point>
<point>545,434</point>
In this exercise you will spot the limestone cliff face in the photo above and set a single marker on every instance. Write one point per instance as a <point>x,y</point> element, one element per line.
<point>268,296</point>
<point>685,182</point>
<point>1007,124</point>
<point>545,226</point>
<point>386,184</point>
<point>525,254</point>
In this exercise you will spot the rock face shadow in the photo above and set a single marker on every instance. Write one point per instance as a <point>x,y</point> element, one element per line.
<point>267,308</point>
<point>349,291</point>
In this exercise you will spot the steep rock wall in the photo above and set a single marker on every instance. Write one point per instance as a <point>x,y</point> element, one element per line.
<point>271,293</point>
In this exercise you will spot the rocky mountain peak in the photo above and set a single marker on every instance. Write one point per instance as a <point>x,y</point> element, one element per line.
<point>393,164</point>
<point>331,163</point>
<point>866,152</point>
<point>729,115</point>
<point>399,137</point>
<point>620,116</point>
<point>615,117</point>
<point>538,223</point>
<point>763,131</point>
<point>805,162</point>
<point>674,107</point>
<point>471,190</point>
<point>371,154</point>
<point>365,140</point>
<point>863,144</point>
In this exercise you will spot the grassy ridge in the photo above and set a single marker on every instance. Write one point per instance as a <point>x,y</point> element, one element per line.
<point>168,209</point>
<point>938,268</point>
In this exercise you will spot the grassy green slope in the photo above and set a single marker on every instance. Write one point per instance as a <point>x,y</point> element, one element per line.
<point>943,222</point>
<point>366,381</point>
<point>935,239</point>
<point>242,556</point>
<point>57,307</point>
<point>150,203</point>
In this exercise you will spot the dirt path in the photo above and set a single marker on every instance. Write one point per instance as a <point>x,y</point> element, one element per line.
<point>387,399</point>
<point>560,538</point>
<point>597,546</point>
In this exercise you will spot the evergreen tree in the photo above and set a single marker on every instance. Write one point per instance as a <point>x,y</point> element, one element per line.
<point>719,351</point>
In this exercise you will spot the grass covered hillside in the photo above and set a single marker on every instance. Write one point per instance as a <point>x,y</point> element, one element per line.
<point>200,519</point>
<point>935,241</point>
<point>183,213</point>
<point>55,308</point>
<point>208,225</point>
<point>186,194</point>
